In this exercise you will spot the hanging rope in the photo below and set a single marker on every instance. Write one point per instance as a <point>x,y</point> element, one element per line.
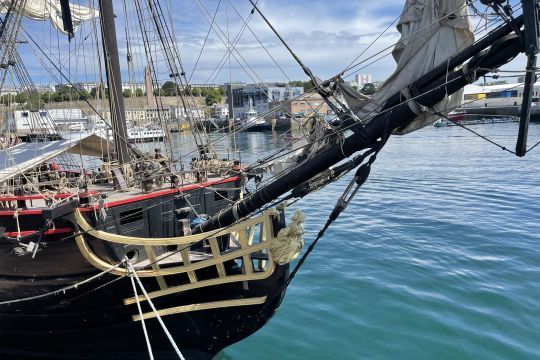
<point>154,310</point>
<point>362,174</point>
<point>64,289</point>
<point>438,113</point>
<point>143,323</point>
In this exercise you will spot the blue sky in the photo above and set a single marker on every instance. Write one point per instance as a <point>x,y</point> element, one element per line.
<point>326,34</point>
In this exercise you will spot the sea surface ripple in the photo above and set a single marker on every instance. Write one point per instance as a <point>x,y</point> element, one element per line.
<point>438,257</point>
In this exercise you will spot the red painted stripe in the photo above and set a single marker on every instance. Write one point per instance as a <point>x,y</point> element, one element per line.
<point>22,212</point>
<point>166,192</point>
<point>14,234</point>
<point>127,201</point>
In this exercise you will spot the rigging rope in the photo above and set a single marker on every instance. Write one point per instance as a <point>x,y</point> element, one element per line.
<point>64,289</point>
<point>156,313</point>
<point>132,274</point>
<point>502,147</point>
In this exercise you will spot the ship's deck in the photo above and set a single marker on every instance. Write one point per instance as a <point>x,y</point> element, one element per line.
<point>114,197</point>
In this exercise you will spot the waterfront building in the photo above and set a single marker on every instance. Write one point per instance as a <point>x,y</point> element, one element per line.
<point>8,91</point>
<point>154,115</point>
<point>219,111</point>
<point>143,116</point>
<point>195,113</point>
<point>132,86</point>
<point>261,95</point>
<point>306,104</point>
<point>206,86</point>
<point>43,89</point>
<point>362,79</point>
<point>86,86</point>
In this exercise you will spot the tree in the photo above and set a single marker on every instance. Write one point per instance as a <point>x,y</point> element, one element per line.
<point>127,93</point>
<point>169,89</point>
<point>368,89</point>
<point>139,92</point>
<point>46,97</point>
<point>296,83</point>
<point>99,92</point>
<point>213,97</point>
<point>307,85</point>
<point>83,95</point>
<point>195,92</point>
<point>8,99</point>
<point>221,91</point>
<point>21,98</point>
<point>34,101</point>
<point>204,92</point>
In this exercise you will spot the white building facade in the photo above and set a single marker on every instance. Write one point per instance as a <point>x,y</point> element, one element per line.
<point>362,79</point>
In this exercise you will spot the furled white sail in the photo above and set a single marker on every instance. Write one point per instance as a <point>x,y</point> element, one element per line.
<point>50,10</point>
<point>432,31</point>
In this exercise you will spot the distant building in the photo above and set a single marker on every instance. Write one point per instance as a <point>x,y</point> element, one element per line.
<point>261,96</point>
<point>302,106</point>
<point>89,86</point>
<point>229,87</point>
<point>86,86</point>
<point>143,116</point>
<point>219,111</point>
<point>362,79</point>
<point>378,84</point>
<point>136,116</point>
<point>132,86</point>
<point>194,113</point>
<point>11,92</point>
<point>206,86</point>
<point>43,89</point>
<point>155,115</point>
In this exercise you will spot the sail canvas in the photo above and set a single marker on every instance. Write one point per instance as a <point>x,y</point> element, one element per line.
<point>432,31</point>
<point>49,10</point>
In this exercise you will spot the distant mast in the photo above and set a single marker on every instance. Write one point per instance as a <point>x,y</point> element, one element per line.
<point>114,80</point>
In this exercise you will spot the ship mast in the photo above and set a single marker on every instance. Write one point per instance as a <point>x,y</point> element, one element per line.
<point>114,80</point>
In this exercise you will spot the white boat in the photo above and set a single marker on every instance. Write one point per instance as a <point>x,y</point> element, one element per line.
<point>145,134</point>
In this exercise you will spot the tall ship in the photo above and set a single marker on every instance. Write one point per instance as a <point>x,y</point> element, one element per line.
<point>113,249</point>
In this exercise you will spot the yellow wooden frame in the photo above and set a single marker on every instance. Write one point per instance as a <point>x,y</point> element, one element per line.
<point>244,232</point>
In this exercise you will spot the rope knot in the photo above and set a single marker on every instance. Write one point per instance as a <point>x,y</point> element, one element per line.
<point>289,241</point>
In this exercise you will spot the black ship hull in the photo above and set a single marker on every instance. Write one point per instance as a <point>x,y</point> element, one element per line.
<point>93,321</point>
<point>98,325</point>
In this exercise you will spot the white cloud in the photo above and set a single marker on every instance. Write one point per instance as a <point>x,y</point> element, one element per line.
<point>326,35</point>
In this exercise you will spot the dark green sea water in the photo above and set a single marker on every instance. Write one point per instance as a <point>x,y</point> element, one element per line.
<point>437,258</point>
